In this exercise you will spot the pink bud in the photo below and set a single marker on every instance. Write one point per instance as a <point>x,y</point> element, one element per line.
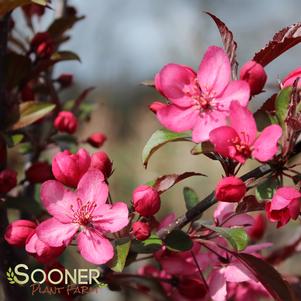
<point>65,80</point>
<point>8,180</point>
<point>68,168</point>
<point>254,74</point>
<point>230,189</point>
<point>257,230</point>
<point>141,230</point>
<point>18,231</point>
<point>97,139</point>
<point>66,122</point>
<point>39,172</point>
<point>146,200</point>
<point>291,77</point>
<point>42,44</point>
<point>102,162</point>
<point>285,205</point>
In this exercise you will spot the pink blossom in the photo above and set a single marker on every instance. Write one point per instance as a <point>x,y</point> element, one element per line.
<point>66,122</point>
<point>285,205</point>
<point>84,210</point>
<point>291,77</point>
<point>68,168</point>
<point>230,189</point>
<point>101,161</point>
<point>238,141</point>
<point>199,101</point>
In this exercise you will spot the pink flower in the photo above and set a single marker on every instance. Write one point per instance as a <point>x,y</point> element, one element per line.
<point>97,139</point>
<point>285,205</point>
<point>238,141</point>
<point>39,172</point>
<point>8,180</point>
<point>66,122</point>
<point>254,74</point>
<point>68,168</point>
<point>84,210</point>
<point>102,162</point>
<point>141,230</point>
<point>146,200</point>
<point>199,101</point>
<point>230,189</point>
<point>18,231</point>
<point>291,77</point>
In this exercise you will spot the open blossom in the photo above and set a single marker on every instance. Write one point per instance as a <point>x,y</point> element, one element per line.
<point>199,101</point>
<point>84,211</point>
<point>285,205</point>
<point>238,141</point>
<point>291,77</point>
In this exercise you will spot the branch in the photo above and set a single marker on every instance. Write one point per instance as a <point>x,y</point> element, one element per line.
<point>195,212</point>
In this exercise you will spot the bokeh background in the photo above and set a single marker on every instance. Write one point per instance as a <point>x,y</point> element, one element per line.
<point>124,42</point>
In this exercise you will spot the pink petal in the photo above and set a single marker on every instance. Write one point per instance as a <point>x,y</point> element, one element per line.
<point>111,218</point>
<point>294,208</point>
<point>243,122</point>
<point>55,233</point>
<point>177,119</point>
<point>222,211</point>
<point>288,192</point>
<point>174,80</point>
<point>265,147</point>
<point>291,77</point>
<point>168,219</point>
<point>217,286</point>
<point>258,247</point>
<point>214,72</point>
<point>205,124</point>
<point>279,202</point>
<point>92,188</point>
<point>237,90</point>
<point>240,220</point>
<point>237,272</point>
<point>222,138</point>
<point>94,248</point>
<point>58,200</point>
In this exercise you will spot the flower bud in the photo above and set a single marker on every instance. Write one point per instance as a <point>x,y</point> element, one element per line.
<point>42,44</point>
<point>257,230</point>
<point>65,80</point>
<point>102,162</point>
<point>97,139</point>
<point>291,77</point>
<point>254,74</point>
<point>285,205</point>
<point>68,168</point>
<point>39,172</point>
<point>141,230</point>
<point>8,180</point>
<point>66,122</point>
<point>146,200</point>
<point>18,231</point>
<point>230,189</point>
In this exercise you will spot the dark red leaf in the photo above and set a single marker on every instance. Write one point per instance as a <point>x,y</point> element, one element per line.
<point>249,204</point>
<point>282,41</point>
<point>227,37</point>
<point>268,276</point>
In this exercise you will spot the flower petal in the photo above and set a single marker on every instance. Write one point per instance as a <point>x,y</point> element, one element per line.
<point>55,233</point>
<point>237,272</point>
<point>214,72</point>
<point>217,285</point>
<point>94,248</point>
<point>92,188</point>
<point>111,218</point>
<point>265,147</point>
<point>58,200</point>
<point>177,119</point>
<point>173,80</point>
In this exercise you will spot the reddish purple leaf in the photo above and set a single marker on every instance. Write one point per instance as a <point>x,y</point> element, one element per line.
<point>249,204</point>
<point>282,41</point>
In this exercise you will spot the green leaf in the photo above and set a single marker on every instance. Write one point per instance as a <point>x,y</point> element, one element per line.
<point>158,139</point>
<point>190,197</point>
<point>31,111</point>
<point>64,56</point>
<point>150,245</point>
<point>121,252</point>
<point>282,103</point>
<point>13,140</point>
<point>266,189</point>
<point>178,240</point>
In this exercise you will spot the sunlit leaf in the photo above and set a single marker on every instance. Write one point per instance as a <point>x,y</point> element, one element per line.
<point>64,56</point>
<point>190,197</point>
<point>150,245</point>
<point>121,252</point>
<point>282,103</point>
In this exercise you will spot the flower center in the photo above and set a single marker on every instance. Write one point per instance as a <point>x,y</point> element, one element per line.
<point>241,147</point>
<point>83,215</point>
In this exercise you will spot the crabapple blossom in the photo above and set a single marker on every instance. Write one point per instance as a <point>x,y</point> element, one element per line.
<point>68,168</point>
<point>238,141</point>
<point>146,200</point>
<point>291,77</point>
<point>141,230</point>
<point>254,74</point>
<point>285,205</point>
<point>85,211</point>
<point>230,189</point>
<point>18,231</point>
<point>97,139</point>
<point>66,122</point>
<point>8,180</point>
<point>101,161</point>
<point>199,101</point>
